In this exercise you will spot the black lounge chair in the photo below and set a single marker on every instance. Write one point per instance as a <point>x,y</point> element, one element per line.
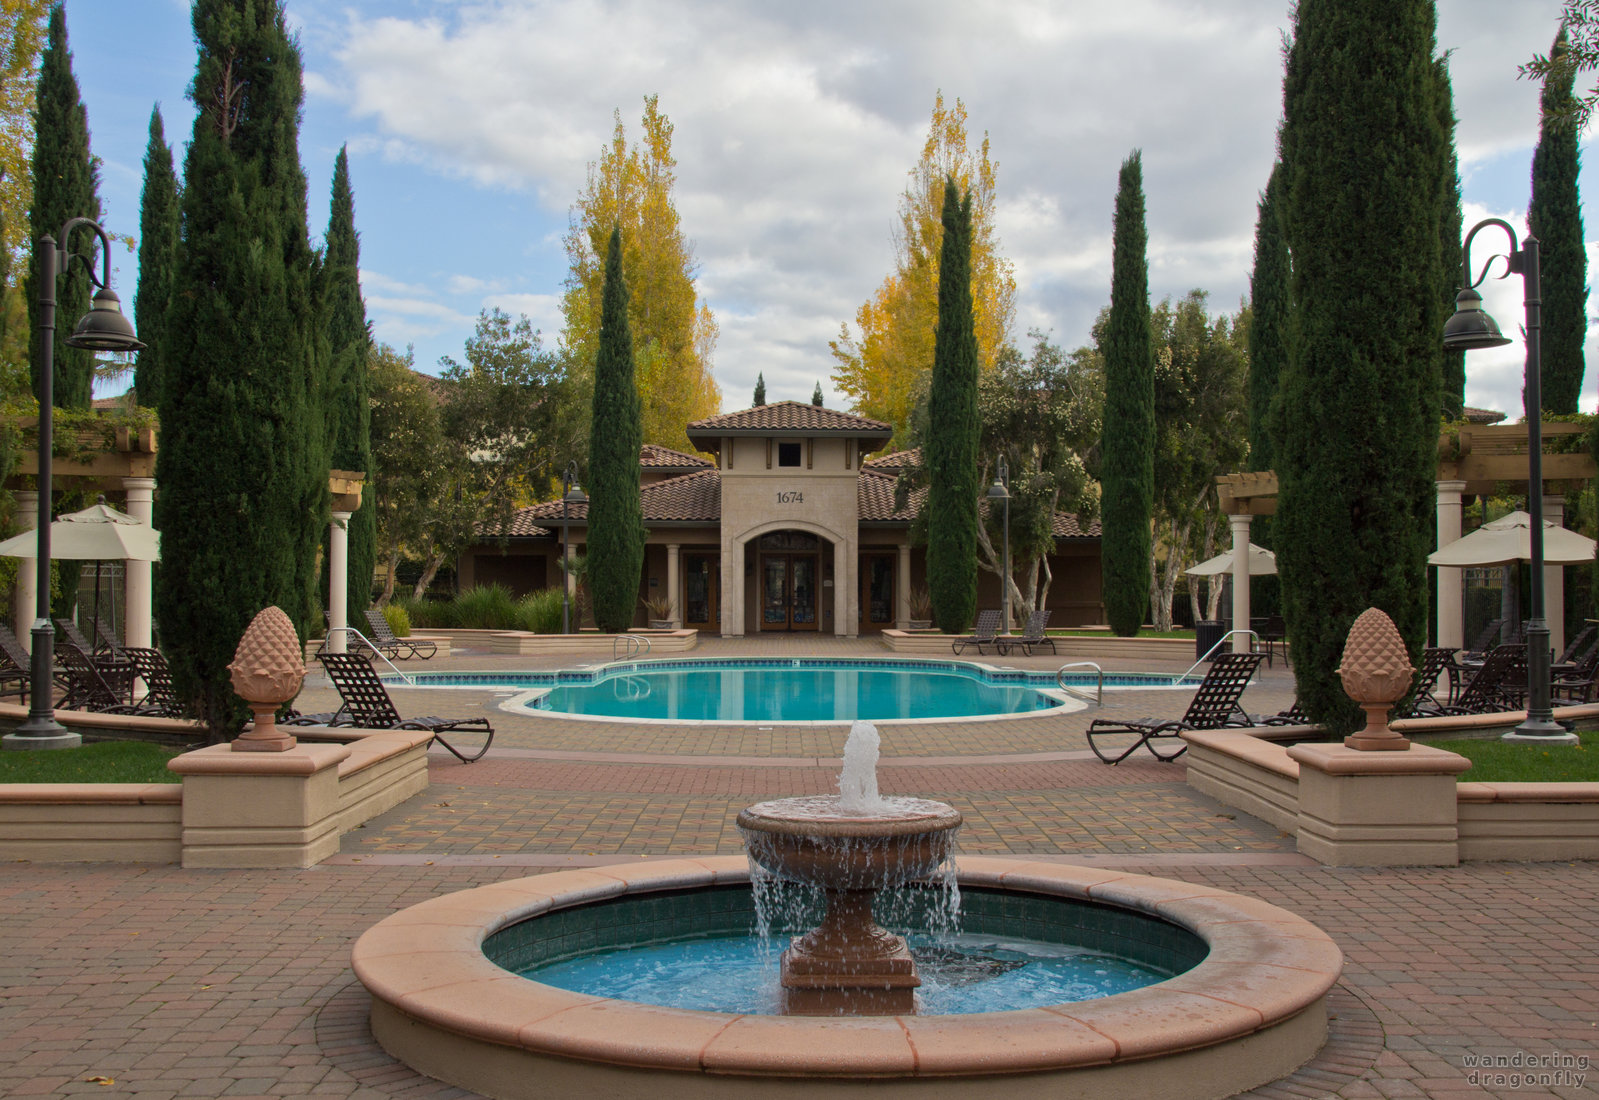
<point>1034,633</point>
<point>160,698</point>
<point>1500,684</point>
<point>106,656</point>
<point>1477,652</point>
<point>386,640</point>
<point>86,685</point>
<point>16,666</point>
<point>367,706</point>
<point>1581,683</point>
<point>1272,631</point>
<point>984,633</point>
<point>1428,700</point>
<point>1294,716</point>
<point>1577,647</point>
<point>1214,706</point>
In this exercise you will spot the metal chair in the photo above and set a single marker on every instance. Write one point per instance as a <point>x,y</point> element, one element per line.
<point>1034,633</point>
<point>386,640</point>
<point>1214,706</point>
<point>367,705</point>
<point>984,633</point>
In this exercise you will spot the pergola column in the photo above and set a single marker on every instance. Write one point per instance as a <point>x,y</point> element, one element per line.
<point>844,619</point>
<point>137,618</point>
<point>1554,580</point>
<point>674,581</point>
<point>1240,526</point>
<point>902,588</point>
<point>1451,596</point>
<point>338,581</point>
<point>732,588</point>
<point>25,592</point>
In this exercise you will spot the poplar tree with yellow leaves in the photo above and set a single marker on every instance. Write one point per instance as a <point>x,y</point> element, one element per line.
<point>880,366</point>
<point>673,333</point>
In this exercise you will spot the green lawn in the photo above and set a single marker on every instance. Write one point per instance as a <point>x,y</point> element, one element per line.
<point>103,762</point>
<point>1494,761</point>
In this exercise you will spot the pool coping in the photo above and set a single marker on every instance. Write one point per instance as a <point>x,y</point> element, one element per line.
<point>1252,1011</point>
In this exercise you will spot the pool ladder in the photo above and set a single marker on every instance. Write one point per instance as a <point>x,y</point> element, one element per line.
<point>626,646</point>
<point>409,682</point>
<point>1098,698</point>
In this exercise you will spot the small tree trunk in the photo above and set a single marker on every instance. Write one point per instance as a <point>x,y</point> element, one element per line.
<point>435,562</point>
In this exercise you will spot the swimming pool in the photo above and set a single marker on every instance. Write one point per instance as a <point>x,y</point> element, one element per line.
<point>788,689</point>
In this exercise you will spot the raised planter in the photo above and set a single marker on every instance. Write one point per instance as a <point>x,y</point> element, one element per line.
<point>1066,646</point>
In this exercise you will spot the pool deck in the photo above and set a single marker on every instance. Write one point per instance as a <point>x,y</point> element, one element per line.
<point>153,981</point>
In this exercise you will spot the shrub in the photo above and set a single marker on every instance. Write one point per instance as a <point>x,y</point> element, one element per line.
<point>540,612</point>
<point>427,614</point>
<point>399,620</point>
<point>486,607</point>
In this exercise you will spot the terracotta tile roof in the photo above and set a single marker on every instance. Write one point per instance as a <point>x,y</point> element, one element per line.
<point>788,416</point>
<point>652,456</point>
<point>1482,416</point>
<point>690,498</point>
<point>894,460</point>
<point>874,499</point>
<point>524,525</point>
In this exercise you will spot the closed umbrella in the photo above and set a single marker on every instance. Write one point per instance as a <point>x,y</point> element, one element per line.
<point>1262,563</point>
<point>1509,539</point>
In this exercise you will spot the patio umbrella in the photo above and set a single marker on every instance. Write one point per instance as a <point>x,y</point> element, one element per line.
<point>1262,563</point>
<point>97,533</point>
<point>1509,540</point>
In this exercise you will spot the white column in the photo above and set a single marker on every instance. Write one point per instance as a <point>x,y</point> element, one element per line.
<point>1240,526</point>
<point>1554,580</point>
<point>902,587</point>
<point>1451,595</point>
<point>338,581</point>
<point>674,581</point>
<point>25,594</point>
<point>845,623</point>
<point>732,589</point>
<point>136,583</point>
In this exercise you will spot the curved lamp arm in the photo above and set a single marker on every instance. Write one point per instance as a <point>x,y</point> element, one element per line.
<point>1512,260</point>
<point>65,256</point>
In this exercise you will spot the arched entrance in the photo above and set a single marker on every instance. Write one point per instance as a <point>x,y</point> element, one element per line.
<point>788,572</point>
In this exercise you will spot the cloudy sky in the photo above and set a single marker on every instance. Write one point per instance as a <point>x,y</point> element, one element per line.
<point>471,123</point>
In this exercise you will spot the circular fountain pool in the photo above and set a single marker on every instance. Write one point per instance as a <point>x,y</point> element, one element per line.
<point>1251,1010</point>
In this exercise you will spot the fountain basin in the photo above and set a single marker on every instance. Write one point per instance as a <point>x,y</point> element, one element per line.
<point>1251,1012</point>
<point>811,840</point>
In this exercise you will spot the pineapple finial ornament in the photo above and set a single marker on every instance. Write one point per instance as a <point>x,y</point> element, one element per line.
<point>267,671</point>
<point>1376,672</point>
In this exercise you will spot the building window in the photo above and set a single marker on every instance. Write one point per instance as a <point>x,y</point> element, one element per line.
<point>788,454</point>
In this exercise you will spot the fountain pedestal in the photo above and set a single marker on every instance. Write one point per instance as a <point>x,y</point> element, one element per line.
<point>848,965</point>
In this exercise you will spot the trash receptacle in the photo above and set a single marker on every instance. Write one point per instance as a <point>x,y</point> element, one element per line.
<point>1207,633</point>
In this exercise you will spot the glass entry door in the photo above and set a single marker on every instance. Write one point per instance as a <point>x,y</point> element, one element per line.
<point>700,584</point>
<point>877,592</point>
<point>788,592</point>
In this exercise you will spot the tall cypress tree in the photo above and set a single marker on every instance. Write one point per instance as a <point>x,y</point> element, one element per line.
<point>1362,149</point>
<point>1451,229</point>
<point>158,247</point>
<point>65,182</point>
<point>242,502</point>
<point>348,408</point>
<point>760,389</point>
<point>1127,463</point>
<point>1555,218</point>
<point>816,395</point>
<point>951,448</point>
<point>616,522</point>
<point>1268,319</point>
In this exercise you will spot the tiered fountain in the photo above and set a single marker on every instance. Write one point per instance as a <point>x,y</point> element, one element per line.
<point>1245,1002</point>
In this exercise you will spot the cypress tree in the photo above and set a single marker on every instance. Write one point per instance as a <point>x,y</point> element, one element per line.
<point>158,246</point>
<point>760,389</point>
<point>1555,217</point>
<point>1268,319</point>
<point>616,522</point>
<point>951,448</point>
<point>242,502</point>
<point>1356,460</point>
<point>348,408</point>
<point>816,395</point>
<point>65,182</point>
<point>1127,450</point>
<point>1451,230</point>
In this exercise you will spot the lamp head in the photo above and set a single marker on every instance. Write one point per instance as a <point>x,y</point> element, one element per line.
<point>1471,328</point>
<point>997,491</point>
<point>576,495</point>
<point>105,327</point>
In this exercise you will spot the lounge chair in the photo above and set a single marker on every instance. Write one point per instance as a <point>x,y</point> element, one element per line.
<point>367,706</point>
<point>16,666</point>
<point>1425,702</point>
<point>385,639</point>
<point>1294,716</point>
<point>1580,684</point>
<point>1034,633</point>
<point>984,633</point>
<point>1272,632</point>
<point>1477,652</point>
<point>1214,706</point>
<point>1578,646</point>
<point>1500,684</point>
<point>160,698</point>
<point>109,658</point>
<point>87,686</point>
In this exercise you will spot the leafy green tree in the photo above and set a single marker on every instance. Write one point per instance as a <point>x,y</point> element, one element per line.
<point>408,457</point>
<point>1268,319</point>
<point>23,25</point>
<point>760,389</point>
<point>65,185</point>
<point>1579,20</point>
<point>1362,151</point>
<point>1555,218</point>
<point>348,404</point>
<point>243,460</point>
<point>616,522</point>
<point>1450,232</point>
<point>158,247</point>
<point>816,395</point>
<point>1128,446</point>
<point>951,444</point>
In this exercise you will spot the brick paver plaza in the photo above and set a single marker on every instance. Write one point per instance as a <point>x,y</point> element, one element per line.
<point>152,981</point>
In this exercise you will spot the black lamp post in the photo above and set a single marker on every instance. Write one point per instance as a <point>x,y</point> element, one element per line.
<point>571,493</point>
<point>1470,328</point>
<point>1000,491</point>
<point>103,328</point>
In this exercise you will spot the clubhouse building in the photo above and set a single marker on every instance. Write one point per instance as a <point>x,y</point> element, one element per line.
<point>791,528</point>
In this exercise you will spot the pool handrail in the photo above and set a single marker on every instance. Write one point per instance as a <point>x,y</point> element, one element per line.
<point>636,644</point>
<point>1254,640</point>
<point>1099,691</point>
<point>371,645</point>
